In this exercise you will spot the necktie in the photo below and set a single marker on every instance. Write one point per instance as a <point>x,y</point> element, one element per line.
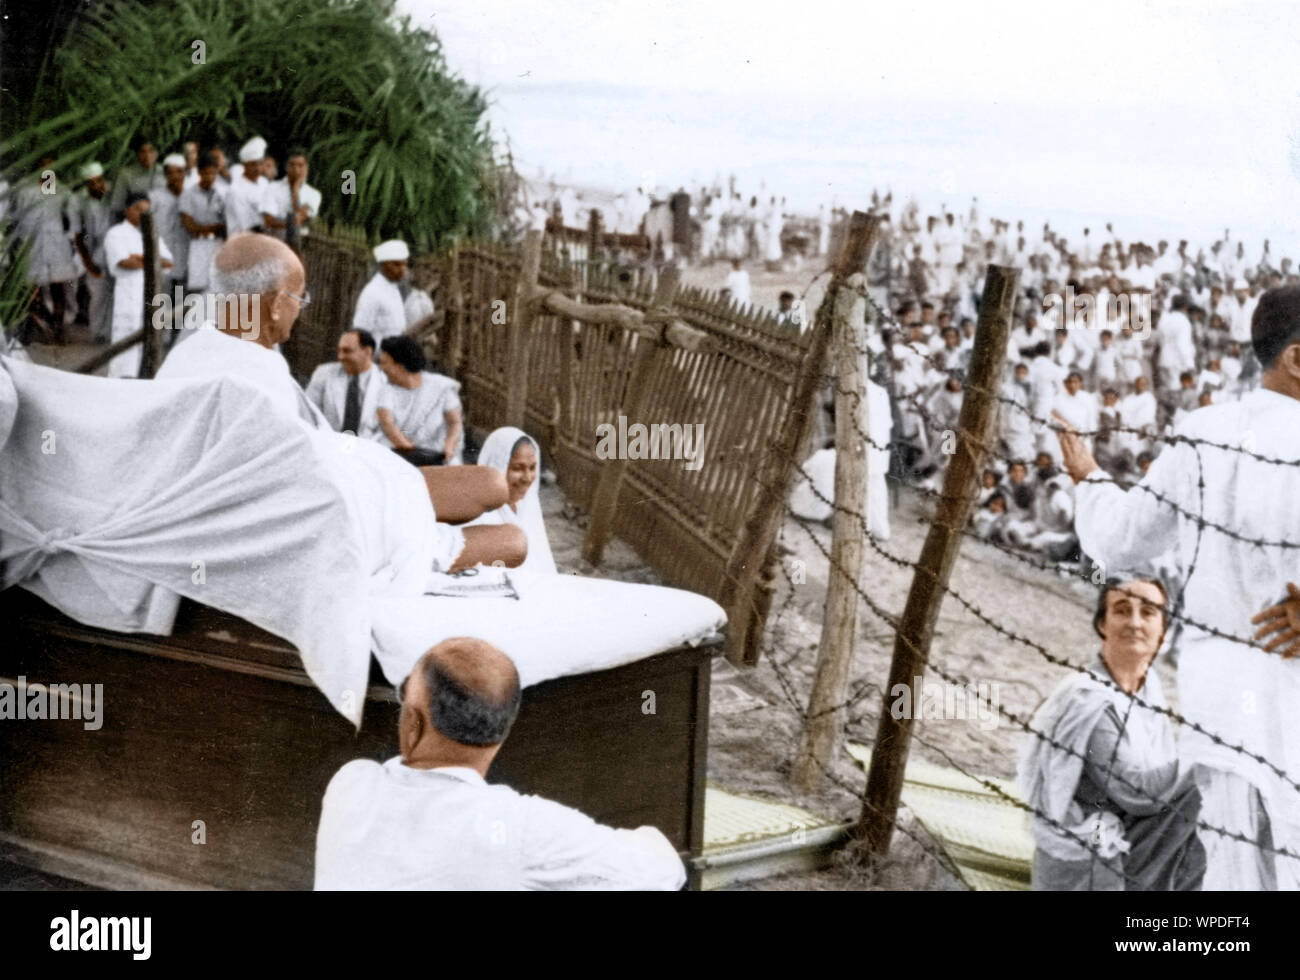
<point>352,406</point>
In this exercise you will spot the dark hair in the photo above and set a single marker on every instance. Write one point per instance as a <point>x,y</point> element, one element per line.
<point>1179,302</point>
<point>141,140</point>
<point>133,197</point>
<point>1114,582</point>
<point>296,151</point>
<point>405,351</point>
<point>206,159</point>
<point>466,716</point>
<point>521,441</point>
<point>1275,324</point>
<point>364,337</point>
<point>786,294</point>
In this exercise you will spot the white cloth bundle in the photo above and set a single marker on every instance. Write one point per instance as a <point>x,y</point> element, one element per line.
<point>117,497</point>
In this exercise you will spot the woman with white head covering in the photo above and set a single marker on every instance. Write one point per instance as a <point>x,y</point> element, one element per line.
<point>517,454</point>
<point>1113,809</point>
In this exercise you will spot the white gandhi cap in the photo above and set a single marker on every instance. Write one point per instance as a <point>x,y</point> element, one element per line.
<point>173,160</point>
<point>254,149</point>
<point>392,251</point>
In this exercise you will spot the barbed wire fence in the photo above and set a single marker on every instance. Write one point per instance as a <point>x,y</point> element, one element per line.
<point>981,444</point>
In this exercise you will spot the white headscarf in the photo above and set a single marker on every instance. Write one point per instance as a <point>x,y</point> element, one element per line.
<point>496,452</point>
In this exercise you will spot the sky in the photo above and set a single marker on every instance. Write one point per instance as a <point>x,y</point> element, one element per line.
<point>1181,116</point>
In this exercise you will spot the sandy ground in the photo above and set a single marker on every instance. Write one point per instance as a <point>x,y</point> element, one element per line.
<point>752,746</point>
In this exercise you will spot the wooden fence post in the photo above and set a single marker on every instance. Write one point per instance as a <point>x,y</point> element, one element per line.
<point>151,353</point>
<point>454,351</point>
<point>521,319</point>
<point>604,500</point>
<point>930,580</point>
<point>750,554</point>
<point>840,621</point>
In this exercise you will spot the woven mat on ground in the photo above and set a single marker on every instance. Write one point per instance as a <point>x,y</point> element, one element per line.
<point>986,835</point>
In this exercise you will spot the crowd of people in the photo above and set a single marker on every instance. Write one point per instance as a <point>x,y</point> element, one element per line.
<point>85,249</point>
<point>1121,341</point>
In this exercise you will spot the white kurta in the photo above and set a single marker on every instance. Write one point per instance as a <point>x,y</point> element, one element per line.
<point>278,202</point>
<point>122,241</point>
<point>391,827</point>
<point>380,309</point>
<point>204,208</point>
<point>1234,690</point>
<point>244,204</point>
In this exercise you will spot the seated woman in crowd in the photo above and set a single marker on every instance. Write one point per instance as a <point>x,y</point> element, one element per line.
<point>419,411</point>
<point>1112,807</point>
<point>517,455</point>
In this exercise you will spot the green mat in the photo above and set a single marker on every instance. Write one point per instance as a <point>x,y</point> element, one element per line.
<point>986,835</point>
<point>736,818</point>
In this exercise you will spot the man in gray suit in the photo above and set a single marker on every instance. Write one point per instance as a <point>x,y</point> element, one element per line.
<point>347,391</point>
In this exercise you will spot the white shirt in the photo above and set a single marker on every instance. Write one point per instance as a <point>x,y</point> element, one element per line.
<point>1239,325</point>
<point>1177,349</point>
<point>1079,409</point>
<point>278,202</point>
<point>380,309</point>
<point>391,827</point>
<point>418,305</point>
<point>1234,690</point>
<point>122,241</point>
<point>328,391</point>
<point>738,283</point>
<point>244,204</point>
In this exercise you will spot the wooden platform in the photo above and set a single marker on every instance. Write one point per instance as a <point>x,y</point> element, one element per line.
<point>218,723</point>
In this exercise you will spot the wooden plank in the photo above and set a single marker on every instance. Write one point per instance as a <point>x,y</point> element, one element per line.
<point>840,619</point>
<point>151,353</point>
<point>521,317</point>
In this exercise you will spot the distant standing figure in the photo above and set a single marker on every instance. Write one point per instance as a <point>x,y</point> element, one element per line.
<point>380,308</point>
<point>738,283</point>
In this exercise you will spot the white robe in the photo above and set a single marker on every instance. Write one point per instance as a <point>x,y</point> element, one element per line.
<point>380,309</point>
<point>244,204</point>
<point>122,241</point>
<point>809,500</point>
<point>1245,696</point>
<point>387,498</point>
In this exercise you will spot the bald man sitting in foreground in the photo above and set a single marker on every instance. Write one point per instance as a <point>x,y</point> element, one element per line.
<point>428,820</point>
<point>260,288</point>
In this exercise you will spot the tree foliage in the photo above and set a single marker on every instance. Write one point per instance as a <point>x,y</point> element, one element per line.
<point>367,95</point>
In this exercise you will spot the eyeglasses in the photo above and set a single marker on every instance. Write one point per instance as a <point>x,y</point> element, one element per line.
<point>304,300</point>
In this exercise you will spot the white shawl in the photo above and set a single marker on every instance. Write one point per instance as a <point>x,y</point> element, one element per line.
<point>496,453</point>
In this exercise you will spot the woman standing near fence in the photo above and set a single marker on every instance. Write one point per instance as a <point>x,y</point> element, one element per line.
<point>1113,808</point>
